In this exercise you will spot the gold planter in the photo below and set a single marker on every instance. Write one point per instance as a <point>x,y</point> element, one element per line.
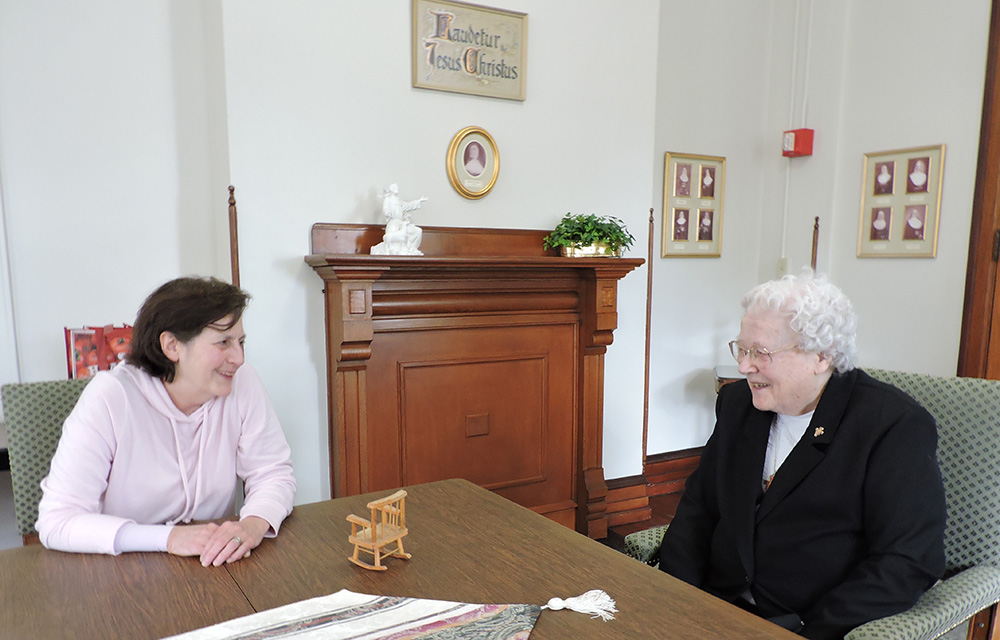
<point>598,250</point>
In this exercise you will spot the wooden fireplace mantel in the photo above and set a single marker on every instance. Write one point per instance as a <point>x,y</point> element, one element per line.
<point>481,359</point>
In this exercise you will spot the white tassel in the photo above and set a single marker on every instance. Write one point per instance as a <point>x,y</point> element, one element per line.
<point>596,603</point>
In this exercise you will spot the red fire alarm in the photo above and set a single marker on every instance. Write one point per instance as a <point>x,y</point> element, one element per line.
<point>797,142</point>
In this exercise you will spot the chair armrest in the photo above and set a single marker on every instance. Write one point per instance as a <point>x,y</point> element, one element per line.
<point>943,607</point>
<point>644,545</point>
<point>353,519</point>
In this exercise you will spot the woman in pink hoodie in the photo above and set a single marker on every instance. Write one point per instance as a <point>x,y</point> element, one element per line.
<point>156,446</point>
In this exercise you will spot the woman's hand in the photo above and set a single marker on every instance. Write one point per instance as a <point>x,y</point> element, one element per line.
<point>217,543</point>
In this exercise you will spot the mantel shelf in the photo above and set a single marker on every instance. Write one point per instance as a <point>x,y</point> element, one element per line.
<point>499,262</point>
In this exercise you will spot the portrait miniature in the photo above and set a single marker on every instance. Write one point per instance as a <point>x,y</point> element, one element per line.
<point>682,218</point>
<point>682,181</point>
<point>881,219</point>
<point>914,220</point>
<point>705,220</point>
<point>916,175</point>
<point>707,184</point>
<point>884,178</point>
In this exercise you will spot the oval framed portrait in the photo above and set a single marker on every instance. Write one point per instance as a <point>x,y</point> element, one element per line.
<point>473,162</point>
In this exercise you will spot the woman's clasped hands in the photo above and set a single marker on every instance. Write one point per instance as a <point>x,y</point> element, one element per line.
<point>216,544</point>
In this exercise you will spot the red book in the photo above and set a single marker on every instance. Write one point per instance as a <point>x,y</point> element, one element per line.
<point>93,349</point>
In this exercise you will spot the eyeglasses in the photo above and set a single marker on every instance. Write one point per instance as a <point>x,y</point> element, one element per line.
<point>757,355</point>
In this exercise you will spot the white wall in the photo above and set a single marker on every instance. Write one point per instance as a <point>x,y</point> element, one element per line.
<point>322,117</point>
<point>911,84</point>
<point>712,99</point>
<point>121,124</point>
<point>8,339</point>
<point>867,76</point>
<point>878,76</point>
<point>104,162</point>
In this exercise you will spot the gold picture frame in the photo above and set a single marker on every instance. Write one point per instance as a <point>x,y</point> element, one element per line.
<point>473,162</point>
<point>468,48</point>
<point>693,197</point>
<point>901,203</point>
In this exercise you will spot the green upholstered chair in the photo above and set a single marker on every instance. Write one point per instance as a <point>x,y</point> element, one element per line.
<point>34,413</point>
<point>967,411</point>
<point>643,545</point>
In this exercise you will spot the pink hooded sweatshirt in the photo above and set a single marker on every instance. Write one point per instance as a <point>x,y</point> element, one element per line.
<point>128,456</point>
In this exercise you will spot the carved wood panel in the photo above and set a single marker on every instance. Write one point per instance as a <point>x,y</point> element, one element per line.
<point>493,405</point>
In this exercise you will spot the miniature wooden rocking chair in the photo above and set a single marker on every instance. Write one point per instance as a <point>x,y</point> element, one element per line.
<point>387,526</point>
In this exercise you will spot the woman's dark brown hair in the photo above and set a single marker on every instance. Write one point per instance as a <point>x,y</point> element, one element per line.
<point>183,307</point>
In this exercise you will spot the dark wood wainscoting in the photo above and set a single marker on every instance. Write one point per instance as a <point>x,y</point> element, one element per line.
<point>628,501</point>
<point>632,500</point>
<point>667,472</point>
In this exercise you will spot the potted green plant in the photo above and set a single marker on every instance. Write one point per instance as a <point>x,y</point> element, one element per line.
<point>589,235</point>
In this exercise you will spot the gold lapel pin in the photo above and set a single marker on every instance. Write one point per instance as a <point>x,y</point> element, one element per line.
<point>818,432</point>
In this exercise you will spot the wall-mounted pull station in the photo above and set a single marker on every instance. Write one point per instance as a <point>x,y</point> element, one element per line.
<point>797,142</point>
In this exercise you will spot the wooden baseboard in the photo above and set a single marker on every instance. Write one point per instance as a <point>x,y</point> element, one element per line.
<point>627,501</point>
<point>667,472</point>
<point>664,473</point>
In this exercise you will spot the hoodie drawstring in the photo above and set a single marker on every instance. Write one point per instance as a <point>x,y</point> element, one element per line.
<point>190,502</point>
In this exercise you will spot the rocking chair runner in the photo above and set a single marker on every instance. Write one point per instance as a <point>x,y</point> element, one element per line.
<point>387,526</point>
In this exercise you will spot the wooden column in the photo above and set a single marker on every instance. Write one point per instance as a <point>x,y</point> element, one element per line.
<point>599,320</point>
<point>348,297</point>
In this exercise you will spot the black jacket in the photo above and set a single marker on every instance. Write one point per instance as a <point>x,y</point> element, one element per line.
<point>851,528</point>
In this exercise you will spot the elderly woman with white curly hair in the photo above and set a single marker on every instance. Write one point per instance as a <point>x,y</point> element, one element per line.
<point>818,502</point>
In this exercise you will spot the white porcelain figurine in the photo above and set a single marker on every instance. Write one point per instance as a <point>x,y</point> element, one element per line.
<point>402,237</point>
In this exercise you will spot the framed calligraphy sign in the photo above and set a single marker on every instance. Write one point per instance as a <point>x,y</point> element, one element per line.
<point>467,48</point>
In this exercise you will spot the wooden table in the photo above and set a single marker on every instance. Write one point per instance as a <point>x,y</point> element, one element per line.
<point>48,595</point>
<point>468,545</point>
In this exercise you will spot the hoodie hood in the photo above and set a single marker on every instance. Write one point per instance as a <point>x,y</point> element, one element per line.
<point>155,392</point>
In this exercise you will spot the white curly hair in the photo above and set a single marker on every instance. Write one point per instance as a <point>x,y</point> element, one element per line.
<point>820,315</point>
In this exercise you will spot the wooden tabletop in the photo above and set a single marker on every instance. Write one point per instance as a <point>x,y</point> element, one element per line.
<point>468,545</point>
<point>49,595</point>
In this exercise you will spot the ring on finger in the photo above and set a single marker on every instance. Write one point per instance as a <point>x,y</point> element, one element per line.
<point>238,540</point>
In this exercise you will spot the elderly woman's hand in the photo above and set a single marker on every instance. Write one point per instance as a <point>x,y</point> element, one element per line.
<point>218,543</point>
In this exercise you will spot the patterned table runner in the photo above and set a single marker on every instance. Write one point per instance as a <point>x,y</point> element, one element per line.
<point>347,615</point>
